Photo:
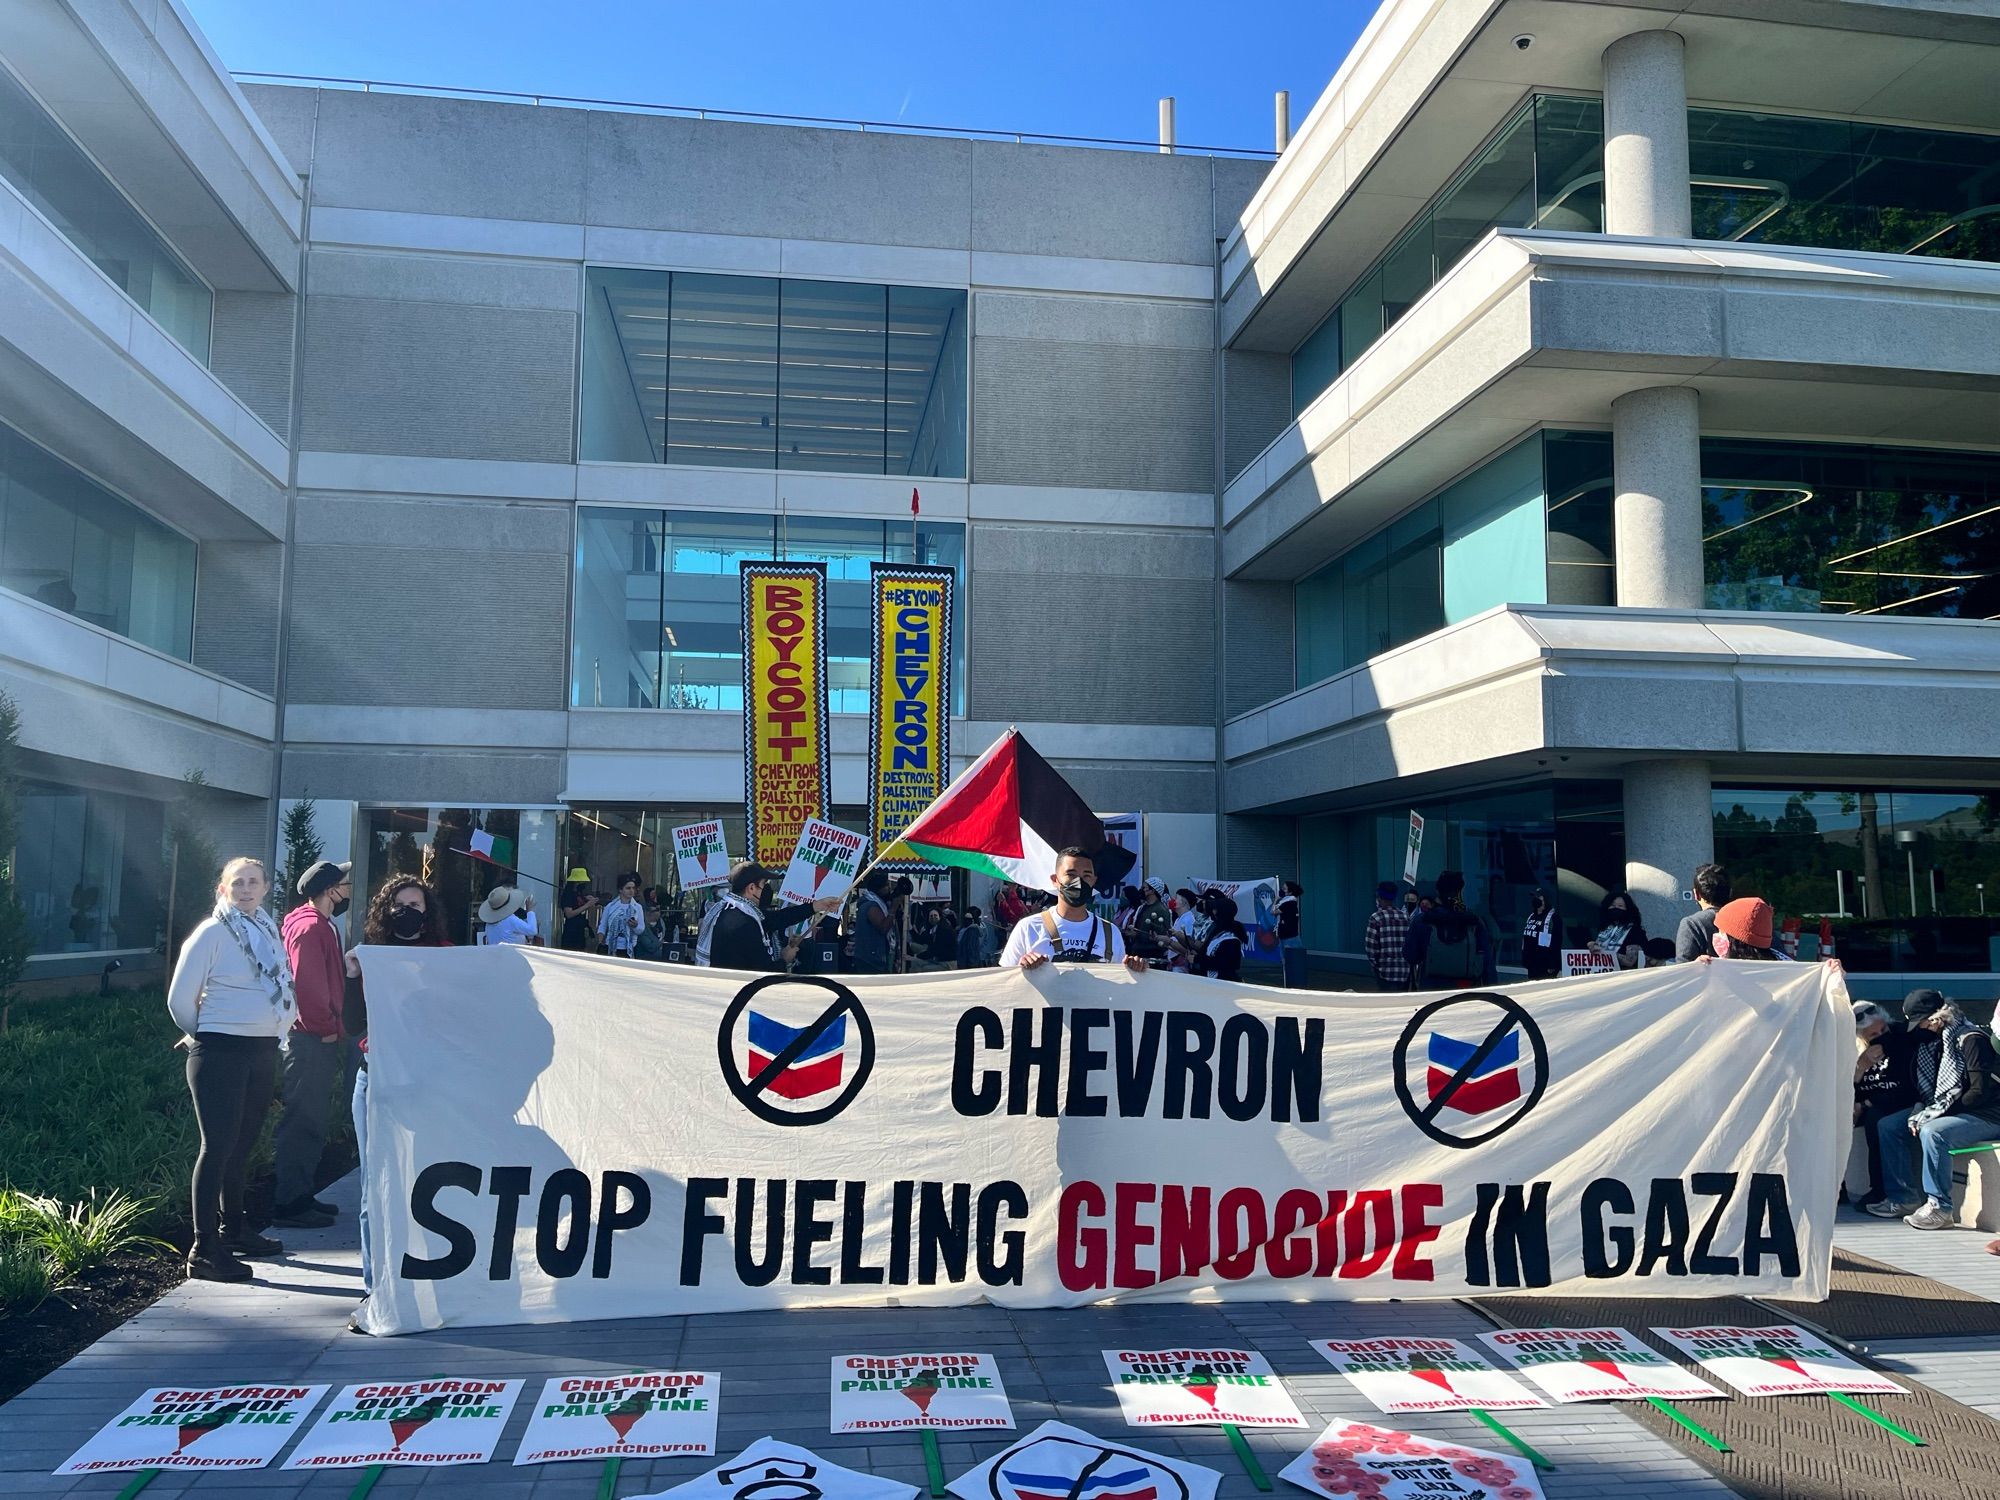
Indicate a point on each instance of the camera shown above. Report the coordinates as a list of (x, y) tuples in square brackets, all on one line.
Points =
[(1523, 42)]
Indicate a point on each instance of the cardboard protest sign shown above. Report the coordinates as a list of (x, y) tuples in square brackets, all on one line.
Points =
[(701, 855), (653, 1415), (1576, 961), (1056, 1461), (1400, 1375), (433, 1423), (216, 1427), (1596, 1364), (1374, 1463), (824, 864), (1781, 1360), (784, 1471), (1181, 1387), (891, 1392)]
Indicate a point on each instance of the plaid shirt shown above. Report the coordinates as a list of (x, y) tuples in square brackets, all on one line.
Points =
[(1387, 927)]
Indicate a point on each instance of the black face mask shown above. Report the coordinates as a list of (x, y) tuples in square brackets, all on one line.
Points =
[(1077, 890), (340, 907), (407, 923)]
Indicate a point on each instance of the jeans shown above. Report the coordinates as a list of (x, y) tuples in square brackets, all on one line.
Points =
[(361, 1150), (231, 1080), (1935, 1140), (1292, 954)]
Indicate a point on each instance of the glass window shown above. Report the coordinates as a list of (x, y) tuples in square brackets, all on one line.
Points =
[(88, 871), (659, 605), (1569, 164), (1316, 362), (52, 172), (429, 842), (753, 372), (1577, 480), (1495, 550), (70, 543)]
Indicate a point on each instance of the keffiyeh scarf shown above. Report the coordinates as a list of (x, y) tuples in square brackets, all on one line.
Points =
[(257, 936)]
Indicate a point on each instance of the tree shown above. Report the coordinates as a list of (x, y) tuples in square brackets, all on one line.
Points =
[(13, 918), (192, 858), (303, 850)]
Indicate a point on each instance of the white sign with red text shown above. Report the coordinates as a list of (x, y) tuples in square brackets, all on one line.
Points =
[(429, 1423), (701, 855), (891, 1392), (1596, 1364), (655, 1414), (824, 863), (1781, 1360), (1356, 1461), (1403, 1374), (1189, 1387), (215, 1427), (1581, 961)]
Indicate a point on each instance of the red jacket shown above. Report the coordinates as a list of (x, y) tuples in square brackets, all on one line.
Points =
[(319, 971)]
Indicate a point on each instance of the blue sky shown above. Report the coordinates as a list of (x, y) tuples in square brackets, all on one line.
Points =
[(1033, 65)]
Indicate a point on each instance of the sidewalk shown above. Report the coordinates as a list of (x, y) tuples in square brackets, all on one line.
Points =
[(291, 1325)]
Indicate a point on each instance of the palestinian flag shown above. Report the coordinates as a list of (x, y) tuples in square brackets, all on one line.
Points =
[(1008, 815), (489, 850)]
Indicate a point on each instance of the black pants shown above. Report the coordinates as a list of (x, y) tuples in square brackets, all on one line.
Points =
[(231, 1079)]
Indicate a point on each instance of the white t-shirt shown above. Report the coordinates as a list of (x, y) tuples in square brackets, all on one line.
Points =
[(509, 929), (1031, 935)]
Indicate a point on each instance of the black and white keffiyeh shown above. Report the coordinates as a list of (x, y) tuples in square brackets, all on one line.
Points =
[(258, 938), (1941, 1068)]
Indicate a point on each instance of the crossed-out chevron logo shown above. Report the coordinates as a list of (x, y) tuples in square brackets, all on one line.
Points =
[(1490, 1081), (1470, 1067), (1059, 1462), (816, 1060), (795, 1049)]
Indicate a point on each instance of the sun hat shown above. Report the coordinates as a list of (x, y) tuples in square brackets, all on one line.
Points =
[(578, 873), (499, 904), (1746, 920)]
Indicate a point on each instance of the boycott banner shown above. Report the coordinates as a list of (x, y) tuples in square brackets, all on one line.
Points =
[(1580, 961), (785, 754), (824, 863), (432, 1423), (1057, 1460), (909, 675), (657, 1414), (1353, 1459), (1781, 1360), (1596, 1364), (551, 1138), (785, 1471), (1179, 1387), (893, 1392), (219, 1427), (701, 855), (1416, 1374)]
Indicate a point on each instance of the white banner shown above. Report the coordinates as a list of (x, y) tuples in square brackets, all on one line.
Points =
[(824, 863), (1596, 1364), (1781, 1360), (785, 1471), (428, 1423), (1425, 1374), (213, 1427), (555, 1136), (891, 1392), (651, 1414), (701, 855), (1184, 1387), (1057, 1460)]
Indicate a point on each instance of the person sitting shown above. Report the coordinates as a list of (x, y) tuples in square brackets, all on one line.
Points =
[(1958, 1104), (1885, 1083), (1620, 933)]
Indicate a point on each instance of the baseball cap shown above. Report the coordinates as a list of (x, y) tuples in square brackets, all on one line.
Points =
[(323, 876)]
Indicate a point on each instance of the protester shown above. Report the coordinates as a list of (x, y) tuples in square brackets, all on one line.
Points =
[(1620, 933), (534, 922), (1382, 941), (405, 913), (737, 934), (619, 924), (1008, 907), (1696, 934), (1222, 956), (500, 913), (871, 954), (231, 993), (311, 1060), (1068, 932), (1542, 940), (1743, 929), (1885, 1083), (1958, 1104), (1448, 945), (577, 905), (1291, 944), (971, 941)]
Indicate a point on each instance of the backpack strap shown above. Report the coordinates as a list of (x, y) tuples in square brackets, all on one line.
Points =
[(1049, 926)]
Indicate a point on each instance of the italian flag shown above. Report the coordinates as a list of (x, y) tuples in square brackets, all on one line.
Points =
[(489, 850), (1008, 815)]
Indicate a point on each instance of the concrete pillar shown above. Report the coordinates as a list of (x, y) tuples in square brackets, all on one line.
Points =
[(1669, 830), (1656, 481), (1646, 137)]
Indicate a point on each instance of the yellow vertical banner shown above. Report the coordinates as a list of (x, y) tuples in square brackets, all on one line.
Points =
[(785, 765), (909, 745)]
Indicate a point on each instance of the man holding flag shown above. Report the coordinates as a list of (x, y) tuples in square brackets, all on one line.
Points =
[(1069, 932)]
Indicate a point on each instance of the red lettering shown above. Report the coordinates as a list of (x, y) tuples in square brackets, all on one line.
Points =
[(1375, 1201), (1131, 1234), (1417, 1230), (784, 624), (1184, 1221), (1326, 1235), (1236, 1254), (1080, 1251), (1291, 1250)]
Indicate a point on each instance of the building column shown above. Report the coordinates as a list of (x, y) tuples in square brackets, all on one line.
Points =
[(1669, 830), (1646, 137), (1656, 481)]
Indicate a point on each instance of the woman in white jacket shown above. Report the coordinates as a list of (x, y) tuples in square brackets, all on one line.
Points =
[(232, 994)]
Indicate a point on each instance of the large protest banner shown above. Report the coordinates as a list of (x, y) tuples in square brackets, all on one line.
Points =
[(553, 1136), (909, 742), (786, 764)]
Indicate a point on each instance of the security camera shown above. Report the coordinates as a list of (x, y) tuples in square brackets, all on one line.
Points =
[(1523, 42)]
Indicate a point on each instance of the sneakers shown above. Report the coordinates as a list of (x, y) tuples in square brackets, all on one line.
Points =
[(250, 1245), (215, 1265), (1890, 1208), (1931, 1216), (301, 1213), (321, 1206)]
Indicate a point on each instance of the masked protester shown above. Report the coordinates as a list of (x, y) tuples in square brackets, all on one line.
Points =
[(1069, 931), (737, 932), (1957, 1105), (405, 913), (312, 1051)]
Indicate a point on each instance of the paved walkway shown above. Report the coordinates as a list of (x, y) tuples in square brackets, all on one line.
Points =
[(291, 1326)]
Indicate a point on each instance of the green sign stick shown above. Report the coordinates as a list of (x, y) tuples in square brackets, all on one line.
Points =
[(933, 1463), (1247, 1458), (139, 1481), (1878, 1419), (1691, 1425), (1507, 1432)]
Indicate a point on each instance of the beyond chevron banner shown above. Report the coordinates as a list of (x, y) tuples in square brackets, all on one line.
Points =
[(553, 1136), (909, 745), (786, 771)]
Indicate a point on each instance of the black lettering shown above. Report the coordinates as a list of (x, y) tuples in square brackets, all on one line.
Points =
[(460, 1242), (1768, 1229), (975, 1093), (1519, 1232), (1607, 1248), (752, 1272), (1666, 1228), (611, 1218), (1243, 1067), (900, 1216), (943, 1234), (509, 1185), (1040, 1058), (557, 1258), (808, 1232), (854, 1237), (1134, 1064), (1190, 1079), (1084, 1060), (1010, 1263), (1295, 1069), (697, 1224), (1722, 1187)]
